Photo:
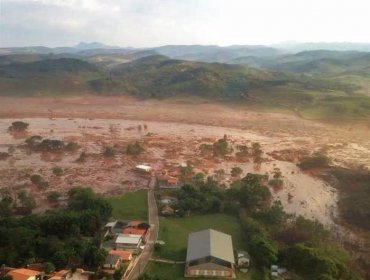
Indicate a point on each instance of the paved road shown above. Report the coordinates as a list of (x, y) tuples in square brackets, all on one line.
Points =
[(152, 235)]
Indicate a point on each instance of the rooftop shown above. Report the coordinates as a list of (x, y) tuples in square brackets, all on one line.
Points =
[(210, 242), (137, 231), (124, 255), (23, 273), (128, 238)]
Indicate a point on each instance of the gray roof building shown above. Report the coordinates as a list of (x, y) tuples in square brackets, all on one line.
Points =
[(210, 253), (210, 242)]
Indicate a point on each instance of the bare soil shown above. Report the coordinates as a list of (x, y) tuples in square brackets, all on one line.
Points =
[(176, 128)]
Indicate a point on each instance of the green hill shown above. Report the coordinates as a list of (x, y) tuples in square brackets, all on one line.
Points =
[(49, 76), (159, 76)]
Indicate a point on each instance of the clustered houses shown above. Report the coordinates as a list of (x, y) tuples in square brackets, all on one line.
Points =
[(33, 274), (126, 239)]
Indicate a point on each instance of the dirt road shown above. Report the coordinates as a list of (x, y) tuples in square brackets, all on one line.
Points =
[(152, 237)]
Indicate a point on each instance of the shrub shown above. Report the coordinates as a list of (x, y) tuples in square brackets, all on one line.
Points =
[(134, 149), (36, 179), (4, 155), (72, 146), (315, 161), (53, 196), (82, 157), (18, 126), (58, 171), (109, 152)]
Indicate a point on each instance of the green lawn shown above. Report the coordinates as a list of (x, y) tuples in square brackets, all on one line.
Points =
[(130, 206), (174, 232)]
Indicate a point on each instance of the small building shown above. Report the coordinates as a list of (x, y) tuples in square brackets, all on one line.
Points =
[(60, 275), (134, 224), (125, 256), (167, 210), (165, 199), (137, 231), (112, 262), (210, 254), (79, 274), (143, 168), (25, 274), (243, 259), (129, 242)]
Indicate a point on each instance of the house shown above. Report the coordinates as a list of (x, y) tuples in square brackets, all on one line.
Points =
[(125, 256), (138, 231), (79, 274), (210, 254), (129, 242), (167, 210), (114, 227), (134, 224), (112, 262), (60, 275), (25, 274), (243, 259), (164, 199), (143, 168)]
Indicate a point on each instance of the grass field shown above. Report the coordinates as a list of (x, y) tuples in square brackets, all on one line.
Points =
[(130, 206), (174, 232)]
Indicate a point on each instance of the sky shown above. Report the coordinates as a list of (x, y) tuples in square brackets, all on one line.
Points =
[(149, 23)]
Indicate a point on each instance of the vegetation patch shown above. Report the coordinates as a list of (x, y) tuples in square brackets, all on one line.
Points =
[(130, 206)]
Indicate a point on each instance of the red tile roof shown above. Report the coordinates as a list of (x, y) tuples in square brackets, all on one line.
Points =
[(134, 223), (23, 273), (134, 231), (124, 255)]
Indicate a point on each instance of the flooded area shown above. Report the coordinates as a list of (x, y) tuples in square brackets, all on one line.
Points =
[(167, 146), (171, 133)]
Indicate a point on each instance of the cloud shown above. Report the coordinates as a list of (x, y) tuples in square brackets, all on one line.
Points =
[(158, 22)]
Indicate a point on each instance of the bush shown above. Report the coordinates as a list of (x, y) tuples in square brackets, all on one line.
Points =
[(82, 157), (36, 179), (316, 160), (53, 196), (18, 126), (58, 171), (72, 146), (4, 155), (134, 149), (109, 152)]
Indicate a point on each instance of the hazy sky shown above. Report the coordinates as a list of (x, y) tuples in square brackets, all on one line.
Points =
[(143, 23)]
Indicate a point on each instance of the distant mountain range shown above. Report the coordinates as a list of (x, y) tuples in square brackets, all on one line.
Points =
[(312, 82)]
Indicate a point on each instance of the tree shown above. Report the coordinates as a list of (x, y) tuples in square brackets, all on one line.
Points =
[(236, 171), (109, 152), (57, 171), (49, 267), (36, 179), (220, 174), (6, 277), (6, 207), (220, 147), (18, 126), (242, 151), (26, 200), (53, 196), (134, 149), (316, 160)]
